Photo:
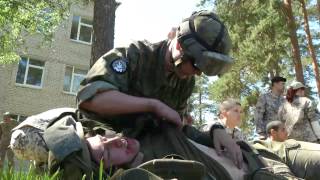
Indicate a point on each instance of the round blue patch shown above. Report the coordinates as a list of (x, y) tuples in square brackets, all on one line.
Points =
[(119, 65)]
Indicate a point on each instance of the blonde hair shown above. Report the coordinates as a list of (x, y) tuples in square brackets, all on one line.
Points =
[(228, 104)]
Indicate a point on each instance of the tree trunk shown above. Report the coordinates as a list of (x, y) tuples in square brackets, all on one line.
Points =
[(200, 101), (318, 8), (310, 45), (103, 28), (287, 7)]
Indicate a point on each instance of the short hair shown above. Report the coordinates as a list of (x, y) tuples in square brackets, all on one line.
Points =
[(228, 104), (273, 125), (277, 79)]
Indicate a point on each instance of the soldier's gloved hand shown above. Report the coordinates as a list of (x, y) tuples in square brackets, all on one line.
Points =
[(222, 139), (166, 113)]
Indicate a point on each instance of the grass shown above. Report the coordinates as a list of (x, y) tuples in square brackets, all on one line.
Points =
[(32, 174)]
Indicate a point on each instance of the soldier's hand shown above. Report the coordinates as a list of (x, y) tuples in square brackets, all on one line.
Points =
[(262, 136), (222, 139), (166, 113)]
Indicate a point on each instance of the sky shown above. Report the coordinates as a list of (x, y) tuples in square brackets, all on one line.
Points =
[(149, 19)]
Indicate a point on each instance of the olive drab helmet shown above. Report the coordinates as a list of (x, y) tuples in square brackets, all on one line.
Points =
[(204, 37)]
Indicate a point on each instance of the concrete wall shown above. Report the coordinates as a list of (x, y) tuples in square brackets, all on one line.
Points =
[(23, 100)]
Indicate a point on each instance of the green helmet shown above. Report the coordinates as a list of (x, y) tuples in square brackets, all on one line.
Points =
[(204, 37)]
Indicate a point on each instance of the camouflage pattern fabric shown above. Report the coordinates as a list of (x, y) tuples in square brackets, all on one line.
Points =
[(5, 129), (140, 72), (27, 140), (303, 158), (5, 134), (267, 110), (5, 151), (27, 143), (143, 76), (298, 116)]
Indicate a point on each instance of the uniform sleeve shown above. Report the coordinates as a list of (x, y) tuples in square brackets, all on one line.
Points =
[(185, 95), (258, 114), (311, 111), (110, 72), (281, 113), (207, 126), (238, 135), (198, 136)]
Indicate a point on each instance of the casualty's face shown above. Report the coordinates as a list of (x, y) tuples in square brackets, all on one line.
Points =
[(113, 151)]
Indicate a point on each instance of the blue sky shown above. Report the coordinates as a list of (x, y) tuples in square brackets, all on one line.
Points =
[(149, 19)]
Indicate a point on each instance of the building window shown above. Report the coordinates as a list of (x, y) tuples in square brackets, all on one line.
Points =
[(81, 30), (72, 79), (30, 72), (18, 118)]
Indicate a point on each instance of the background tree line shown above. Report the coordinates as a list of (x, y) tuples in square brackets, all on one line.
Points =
[(269, 38)]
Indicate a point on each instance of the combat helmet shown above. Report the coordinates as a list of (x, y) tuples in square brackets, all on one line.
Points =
[(205, 38)]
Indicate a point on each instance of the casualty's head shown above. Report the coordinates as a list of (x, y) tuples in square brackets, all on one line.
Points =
[(113, 150)]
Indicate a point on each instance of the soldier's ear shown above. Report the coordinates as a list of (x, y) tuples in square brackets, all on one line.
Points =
[(273, 132), (223, 114)]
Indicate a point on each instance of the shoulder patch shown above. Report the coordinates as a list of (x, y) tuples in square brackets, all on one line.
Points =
[(119, 65)]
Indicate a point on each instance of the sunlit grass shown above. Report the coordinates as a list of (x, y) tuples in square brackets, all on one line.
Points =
[(32, 174)]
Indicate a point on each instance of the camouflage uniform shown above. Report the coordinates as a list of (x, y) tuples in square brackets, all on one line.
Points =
[(5, 134), (298, 116), (139, 70), (303, 158), (145, 76), (267, 110), (235, 133)]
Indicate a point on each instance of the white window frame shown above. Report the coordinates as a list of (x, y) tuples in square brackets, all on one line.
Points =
[(72, 78), (19, 117), (27, 72), (78, 32)]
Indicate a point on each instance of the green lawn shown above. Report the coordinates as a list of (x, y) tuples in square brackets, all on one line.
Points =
[(26, 171)]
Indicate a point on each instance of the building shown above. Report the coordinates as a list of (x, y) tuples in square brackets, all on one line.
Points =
[(49, 77)]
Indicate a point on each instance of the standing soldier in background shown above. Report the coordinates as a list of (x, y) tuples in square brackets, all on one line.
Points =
[(5, 134), (268, 105)]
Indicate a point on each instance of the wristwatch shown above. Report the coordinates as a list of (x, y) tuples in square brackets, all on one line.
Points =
[(215, 126)]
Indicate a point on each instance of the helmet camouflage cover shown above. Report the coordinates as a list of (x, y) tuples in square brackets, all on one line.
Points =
[(204, 37)]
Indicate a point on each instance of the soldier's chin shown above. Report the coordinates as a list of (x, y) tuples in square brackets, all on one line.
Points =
[(133, 146)]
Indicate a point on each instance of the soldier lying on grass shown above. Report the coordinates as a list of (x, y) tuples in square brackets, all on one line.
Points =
[(56, 137)]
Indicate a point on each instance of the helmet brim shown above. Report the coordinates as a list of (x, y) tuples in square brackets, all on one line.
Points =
[(209, 62)]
